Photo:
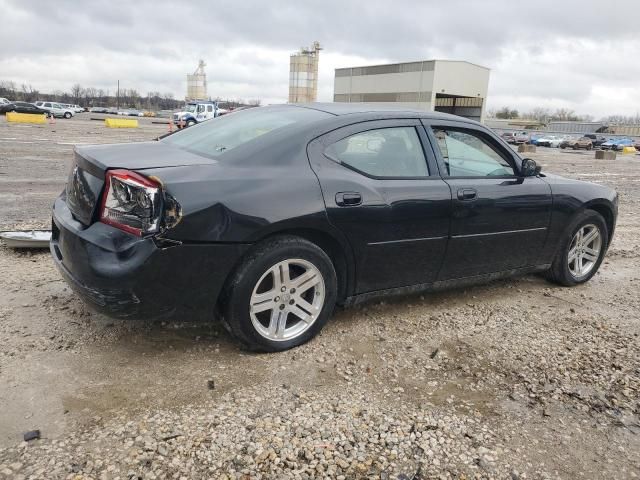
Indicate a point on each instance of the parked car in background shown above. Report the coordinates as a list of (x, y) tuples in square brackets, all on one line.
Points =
[(99, 110), (596, 140), (509, 137), (22, 107), (4, 101), (521, 138), (57, 110), (75, 108), (273, 215), (552, 141), (112, 111), (616, 144), (6, 107), (534, 137), (577, 143)]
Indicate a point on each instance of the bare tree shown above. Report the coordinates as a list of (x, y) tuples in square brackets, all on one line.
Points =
[(76, 91)]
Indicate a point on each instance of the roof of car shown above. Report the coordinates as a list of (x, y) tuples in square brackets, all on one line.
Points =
[(339, 108)]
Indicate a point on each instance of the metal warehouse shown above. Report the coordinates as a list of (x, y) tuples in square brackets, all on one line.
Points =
[(449, 86)]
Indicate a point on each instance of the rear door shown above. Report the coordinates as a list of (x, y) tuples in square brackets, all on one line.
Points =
[(499, 218), (382, 189)]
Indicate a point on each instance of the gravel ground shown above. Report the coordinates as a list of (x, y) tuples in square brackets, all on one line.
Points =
[(518, 379)]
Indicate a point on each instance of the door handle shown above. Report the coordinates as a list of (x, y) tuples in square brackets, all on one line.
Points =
[(348, 199), (466, 194)]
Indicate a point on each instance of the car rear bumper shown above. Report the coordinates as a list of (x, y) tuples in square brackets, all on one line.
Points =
[(125, 276)]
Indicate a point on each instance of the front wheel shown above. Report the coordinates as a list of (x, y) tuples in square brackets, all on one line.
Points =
[(281, 295), (582, 250), (190, 123), (67, 115)]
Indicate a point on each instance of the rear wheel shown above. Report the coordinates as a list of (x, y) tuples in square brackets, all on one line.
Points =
[(281, 295), (581, 251)]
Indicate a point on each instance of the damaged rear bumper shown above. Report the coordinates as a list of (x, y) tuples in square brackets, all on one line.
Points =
[(125, 276)]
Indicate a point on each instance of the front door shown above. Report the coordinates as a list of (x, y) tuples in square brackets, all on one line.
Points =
[(499, 218), (381, 187)]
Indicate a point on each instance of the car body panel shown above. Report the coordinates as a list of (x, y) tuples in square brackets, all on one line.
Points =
[(401, 224), (408, 233)]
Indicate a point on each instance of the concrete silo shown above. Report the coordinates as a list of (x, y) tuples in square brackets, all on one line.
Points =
[(197, 84), (303, 75)]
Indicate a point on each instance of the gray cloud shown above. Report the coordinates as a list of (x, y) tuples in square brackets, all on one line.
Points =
[(557, 53)]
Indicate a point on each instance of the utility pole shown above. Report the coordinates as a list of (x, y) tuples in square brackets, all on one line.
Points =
[(118, 96)]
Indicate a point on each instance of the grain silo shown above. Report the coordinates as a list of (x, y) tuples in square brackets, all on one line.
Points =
[(197, 84), (303, 75)]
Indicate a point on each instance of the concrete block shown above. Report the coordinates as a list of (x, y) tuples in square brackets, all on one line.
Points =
[(26, 117), (526, 148), (627, 150), (605, 155), (120, 123)]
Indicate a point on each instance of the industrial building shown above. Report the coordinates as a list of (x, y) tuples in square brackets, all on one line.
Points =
[(449, 86), (303, 74), (197, 84)]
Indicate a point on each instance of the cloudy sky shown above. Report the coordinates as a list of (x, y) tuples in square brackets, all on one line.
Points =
[(556, 54)]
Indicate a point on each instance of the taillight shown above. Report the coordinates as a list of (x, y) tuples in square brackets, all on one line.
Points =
[(131, 202)]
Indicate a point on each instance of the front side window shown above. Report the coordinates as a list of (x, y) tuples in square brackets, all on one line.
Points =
[(209, 108), (385, 152), (467, 154)]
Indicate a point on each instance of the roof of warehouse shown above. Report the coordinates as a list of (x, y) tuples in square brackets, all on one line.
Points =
[(433, 60), (340, 108)]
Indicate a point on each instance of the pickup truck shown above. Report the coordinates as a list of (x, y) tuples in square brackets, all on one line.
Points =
[(197, 112)]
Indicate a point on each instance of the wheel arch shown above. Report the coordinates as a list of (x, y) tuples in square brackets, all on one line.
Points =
[(337, 249), (604, 208)]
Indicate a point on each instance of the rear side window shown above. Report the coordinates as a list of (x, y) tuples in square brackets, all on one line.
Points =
[(222, 134), (384, 153)]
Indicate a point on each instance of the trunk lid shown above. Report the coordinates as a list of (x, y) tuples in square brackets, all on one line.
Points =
[(86, 179)]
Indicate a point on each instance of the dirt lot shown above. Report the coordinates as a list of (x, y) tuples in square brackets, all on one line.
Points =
[(516, 379)]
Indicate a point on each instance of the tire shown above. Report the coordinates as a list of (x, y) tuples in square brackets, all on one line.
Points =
[(261, 330), (589, 147), (561, 271), (190, 123), (67, 115)]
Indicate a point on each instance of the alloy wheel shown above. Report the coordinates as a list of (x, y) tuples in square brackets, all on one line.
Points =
[(287, 299), (584, 250)]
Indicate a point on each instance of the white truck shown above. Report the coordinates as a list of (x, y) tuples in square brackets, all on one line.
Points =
[(197, 112)]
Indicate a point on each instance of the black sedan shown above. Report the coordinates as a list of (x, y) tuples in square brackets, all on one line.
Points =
[(271, 216), (22, 107)]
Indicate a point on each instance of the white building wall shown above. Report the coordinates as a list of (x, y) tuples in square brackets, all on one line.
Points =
[(438, 77)]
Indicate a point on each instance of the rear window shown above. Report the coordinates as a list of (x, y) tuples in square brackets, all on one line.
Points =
[(221, 135)]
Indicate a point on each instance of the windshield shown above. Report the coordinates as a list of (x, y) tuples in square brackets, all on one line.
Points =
[(222, 134), (190, 108)]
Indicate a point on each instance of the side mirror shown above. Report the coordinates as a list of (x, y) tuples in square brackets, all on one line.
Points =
[(529, 168)]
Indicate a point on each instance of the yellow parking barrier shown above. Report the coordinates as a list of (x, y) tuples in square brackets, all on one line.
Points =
[(120, 123), (629, 150), (26, 117)]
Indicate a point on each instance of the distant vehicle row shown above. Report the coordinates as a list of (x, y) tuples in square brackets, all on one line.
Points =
[(60, 110), (587, 142)]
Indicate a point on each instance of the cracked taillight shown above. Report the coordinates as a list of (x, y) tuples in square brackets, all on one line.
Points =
[(131, 202)]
